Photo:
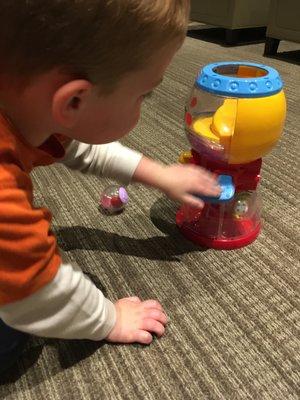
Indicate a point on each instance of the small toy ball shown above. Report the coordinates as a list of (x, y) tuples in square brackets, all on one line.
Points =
[(241, 207), (113, 199)]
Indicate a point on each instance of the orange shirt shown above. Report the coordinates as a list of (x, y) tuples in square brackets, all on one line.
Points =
[(29, 257)]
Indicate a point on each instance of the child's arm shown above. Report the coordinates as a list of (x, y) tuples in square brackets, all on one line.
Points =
[(41, 294), (178, 181), (71, 307), (112, 160), (123, 164), (68, 307)]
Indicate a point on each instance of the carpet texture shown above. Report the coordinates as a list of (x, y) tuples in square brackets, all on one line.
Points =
[(234, 316)]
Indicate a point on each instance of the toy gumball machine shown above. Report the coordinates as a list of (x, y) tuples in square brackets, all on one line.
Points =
[(235, 115)]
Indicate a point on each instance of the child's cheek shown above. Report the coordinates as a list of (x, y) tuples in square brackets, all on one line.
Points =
[(135, 117)]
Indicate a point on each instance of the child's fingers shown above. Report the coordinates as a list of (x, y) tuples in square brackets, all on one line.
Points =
[(193, 201), (206, 190), (206, 178), (134, 299), (152, 304), (203, 173), (151, 325), (157, 315), (143, 337)]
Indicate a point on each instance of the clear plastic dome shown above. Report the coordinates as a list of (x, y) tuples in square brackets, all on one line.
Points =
[(225, 126)]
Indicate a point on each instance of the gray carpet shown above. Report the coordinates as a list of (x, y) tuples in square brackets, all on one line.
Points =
[(233, 315)]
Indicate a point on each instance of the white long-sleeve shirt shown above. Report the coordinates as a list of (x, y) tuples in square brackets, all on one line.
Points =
[(71, 306)]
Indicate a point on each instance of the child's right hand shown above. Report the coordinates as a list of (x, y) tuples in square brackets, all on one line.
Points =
[(136, 320)]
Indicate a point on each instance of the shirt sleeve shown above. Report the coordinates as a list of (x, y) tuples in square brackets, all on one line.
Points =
[(29, 257), (69, 307), (39, 294), (111, 160)]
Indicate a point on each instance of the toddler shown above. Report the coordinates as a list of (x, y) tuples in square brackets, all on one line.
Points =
[(67, 69)]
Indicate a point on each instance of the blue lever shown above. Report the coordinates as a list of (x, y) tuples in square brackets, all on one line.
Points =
[(227, 190)]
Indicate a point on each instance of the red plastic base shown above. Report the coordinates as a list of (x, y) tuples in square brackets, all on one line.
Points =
[(247, 237), (221, 244)]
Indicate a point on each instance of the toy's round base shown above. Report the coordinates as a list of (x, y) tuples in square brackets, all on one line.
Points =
[(218, 243)]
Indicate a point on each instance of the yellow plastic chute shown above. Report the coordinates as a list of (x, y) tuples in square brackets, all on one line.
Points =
[(247, 128)]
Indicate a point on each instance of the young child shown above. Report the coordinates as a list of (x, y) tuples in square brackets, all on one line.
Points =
[(73, 76)]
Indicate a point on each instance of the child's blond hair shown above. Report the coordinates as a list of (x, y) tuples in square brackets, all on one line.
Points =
[(98, 40)]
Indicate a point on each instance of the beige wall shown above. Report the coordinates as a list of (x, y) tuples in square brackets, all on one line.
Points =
[(231, 14)]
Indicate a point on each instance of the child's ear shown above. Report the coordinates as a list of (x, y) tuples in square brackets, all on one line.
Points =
[(69, 101)]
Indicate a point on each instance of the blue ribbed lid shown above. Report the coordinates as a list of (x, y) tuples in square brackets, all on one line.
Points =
[(219, 78)]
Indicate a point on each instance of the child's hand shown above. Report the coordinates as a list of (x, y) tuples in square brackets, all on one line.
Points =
[(136, 320), (180, 181)]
